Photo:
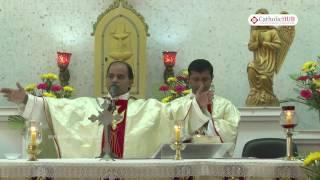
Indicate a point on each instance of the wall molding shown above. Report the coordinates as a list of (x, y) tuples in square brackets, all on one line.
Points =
[(259, 114), (6, 111), (307, 137)]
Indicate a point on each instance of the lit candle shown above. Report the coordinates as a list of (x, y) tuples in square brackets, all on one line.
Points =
[(33, 135), (289, 117), (178, 132)]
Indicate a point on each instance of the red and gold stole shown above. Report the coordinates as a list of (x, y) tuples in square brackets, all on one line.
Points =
[(117, 129)]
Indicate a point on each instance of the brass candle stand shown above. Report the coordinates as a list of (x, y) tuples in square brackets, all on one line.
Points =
[(288, 122), (33, 150), (178, 147), (289, 133)]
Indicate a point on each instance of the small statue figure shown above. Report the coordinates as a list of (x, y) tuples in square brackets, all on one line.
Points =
[(269, 46)]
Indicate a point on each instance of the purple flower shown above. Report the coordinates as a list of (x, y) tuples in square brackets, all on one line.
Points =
[(303, 78), (42, 86), (164, 88), (179, 88), (56, 88), (306, 93)]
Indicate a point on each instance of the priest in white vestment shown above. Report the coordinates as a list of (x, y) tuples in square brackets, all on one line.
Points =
[(223, 116)]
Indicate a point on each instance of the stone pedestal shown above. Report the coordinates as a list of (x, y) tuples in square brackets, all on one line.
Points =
[(258, 122)]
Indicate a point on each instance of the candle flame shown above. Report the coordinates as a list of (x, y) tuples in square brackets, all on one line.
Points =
[(32, 128)]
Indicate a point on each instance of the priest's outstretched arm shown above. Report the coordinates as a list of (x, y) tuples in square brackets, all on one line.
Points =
[(64, 119)]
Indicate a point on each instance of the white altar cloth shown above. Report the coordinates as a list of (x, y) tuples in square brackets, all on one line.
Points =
[(95, 168)]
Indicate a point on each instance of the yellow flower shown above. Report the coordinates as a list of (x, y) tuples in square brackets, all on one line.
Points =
[(52, 76), (68, 88), (46, 94), (172, 79), (49, 76), (30, 87), (185, 72), (311, 158), (309, 66), (166, 99), (316, 82), (44, 76), (187, 91)]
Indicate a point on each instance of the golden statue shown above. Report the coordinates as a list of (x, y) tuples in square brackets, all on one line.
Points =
[(269, 46)]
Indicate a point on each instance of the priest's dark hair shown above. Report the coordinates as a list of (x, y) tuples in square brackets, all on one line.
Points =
[(130, 72), (200, 65)]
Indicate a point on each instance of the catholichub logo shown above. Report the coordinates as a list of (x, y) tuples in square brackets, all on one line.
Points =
[(273, 20)]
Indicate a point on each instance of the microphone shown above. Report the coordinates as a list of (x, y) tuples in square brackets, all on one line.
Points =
[(114, 90), (210, 105)]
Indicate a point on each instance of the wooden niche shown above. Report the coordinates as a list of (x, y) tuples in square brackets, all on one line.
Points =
[(120, 35)]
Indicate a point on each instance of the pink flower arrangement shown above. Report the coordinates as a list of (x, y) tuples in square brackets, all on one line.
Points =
[(49, 88), (308, 82), (176, 87)]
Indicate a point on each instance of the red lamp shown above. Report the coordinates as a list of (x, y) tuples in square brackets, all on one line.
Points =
[(63, 60), (169, 60)]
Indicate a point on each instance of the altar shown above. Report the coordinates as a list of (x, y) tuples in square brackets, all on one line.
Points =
[(150, 168)]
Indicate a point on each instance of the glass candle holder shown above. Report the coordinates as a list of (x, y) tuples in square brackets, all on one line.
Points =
[(288, 117), (34, 138), (34, 132)]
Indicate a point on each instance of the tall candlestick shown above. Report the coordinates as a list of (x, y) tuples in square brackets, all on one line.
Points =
[(289, 121)]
